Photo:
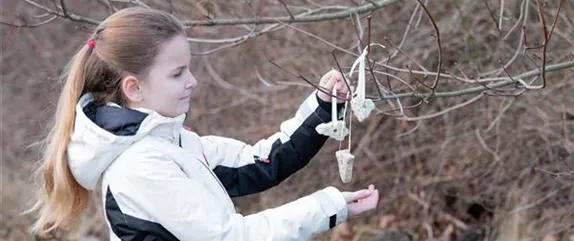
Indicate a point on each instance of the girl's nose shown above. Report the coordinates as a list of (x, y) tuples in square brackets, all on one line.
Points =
[(192, 82), (190, 85)]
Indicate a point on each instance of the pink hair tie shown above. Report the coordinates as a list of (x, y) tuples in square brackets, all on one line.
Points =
[(91, 43)]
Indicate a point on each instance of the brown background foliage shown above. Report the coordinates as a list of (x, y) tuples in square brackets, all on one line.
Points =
[(474, 167)]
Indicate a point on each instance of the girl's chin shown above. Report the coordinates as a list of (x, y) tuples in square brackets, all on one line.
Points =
[(184, 109)]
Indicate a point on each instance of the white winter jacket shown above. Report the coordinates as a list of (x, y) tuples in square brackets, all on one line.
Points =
[(161, 181)]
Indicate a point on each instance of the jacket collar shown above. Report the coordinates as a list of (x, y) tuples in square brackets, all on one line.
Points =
[(102, 133)]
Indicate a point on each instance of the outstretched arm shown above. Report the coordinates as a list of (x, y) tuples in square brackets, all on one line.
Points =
[(246, 169)]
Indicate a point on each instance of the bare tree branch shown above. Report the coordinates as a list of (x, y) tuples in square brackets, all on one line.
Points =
[(442, 112), (253, 33), (317, 87), (439, 68), (545, 43), (109, 5), (520, 45), (26, 25), (287, 9), (501, 16), (218, 22), (287, 19), (138, 2), (67, 15), (64, 9), (492, 16), (501, 81)]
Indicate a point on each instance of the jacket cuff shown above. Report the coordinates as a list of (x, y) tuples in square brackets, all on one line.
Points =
[(327, 105), (333, 205)]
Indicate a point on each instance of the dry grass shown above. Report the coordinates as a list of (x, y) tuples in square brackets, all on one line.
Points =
[(481, 166)]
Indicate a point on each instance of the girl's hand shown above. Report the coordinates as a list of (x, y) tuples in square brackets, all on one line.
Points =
[(333, 79), (361, 201)]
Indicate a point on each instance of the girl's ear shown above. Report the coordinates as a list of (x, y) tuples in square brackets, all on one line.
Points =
[(131, 88)]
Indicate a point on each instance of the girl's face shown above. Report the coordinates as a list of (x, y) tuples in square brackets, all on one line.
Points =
[(169, 83)]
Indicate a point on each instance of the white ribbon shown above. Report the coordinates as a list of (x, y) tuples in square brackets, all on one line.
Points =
[(335, 128), (361, 106), (344, 157)]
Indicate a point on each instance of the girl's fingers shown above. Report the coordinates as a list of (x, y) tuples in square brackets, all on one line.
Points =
[(356, 196), (324, 79)]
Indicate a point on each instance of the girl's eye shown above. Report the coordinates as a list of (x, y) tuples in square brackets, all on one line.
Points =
[(177, 75)]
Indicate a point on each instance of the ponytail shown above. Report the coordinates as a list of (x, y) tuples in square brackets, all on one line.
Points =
[(125, 42), (61, 199)]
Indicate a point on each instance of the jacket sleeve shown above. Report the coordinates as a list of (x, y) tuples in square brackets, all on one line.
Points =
[(193, 213), (246, 169)]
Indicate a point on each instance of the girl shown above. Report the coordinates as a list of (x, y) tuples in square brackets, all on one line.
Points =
[(120, 119)]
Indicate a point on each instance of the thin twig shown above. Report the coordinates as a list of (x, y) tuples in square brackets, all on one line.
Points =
[(417, 79), (255, 16), (347, 82), (420, 16), (560, 4), (387, 67), (368, 46), (517, 21), (257, 21), (42, 15), (138, 2), (539, 201), (501, 15), (457, 222), (359, 32), (71, 16), (171, 6), (287, 8), (485, 146), (401, 109), (555, 174), (252, 32), (439, 68), (313, 18), (405, 54), (310, 83), (377, 87), (268, 83), (409, 131), (226, 85), (499, 116), (502, 81), (430, 233), (239, 40), (64, 10), (405, 34), (442, 112), (30, 25), (320, 39), (519, 46), (395, 77), (491, 13), (545, 44), (369, 34), (109, 5)]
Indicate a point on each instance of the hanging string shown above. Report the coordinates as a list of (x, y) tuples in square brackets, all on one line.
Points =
[(350, 125), (345, 111)]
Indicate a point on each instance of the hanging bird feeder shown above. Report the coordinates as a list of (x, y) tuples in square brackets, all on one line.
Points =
[(335, 128)]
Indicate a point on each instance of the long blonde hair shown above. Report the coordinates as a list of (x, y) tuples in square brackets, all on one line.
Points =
[(125, 43)]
